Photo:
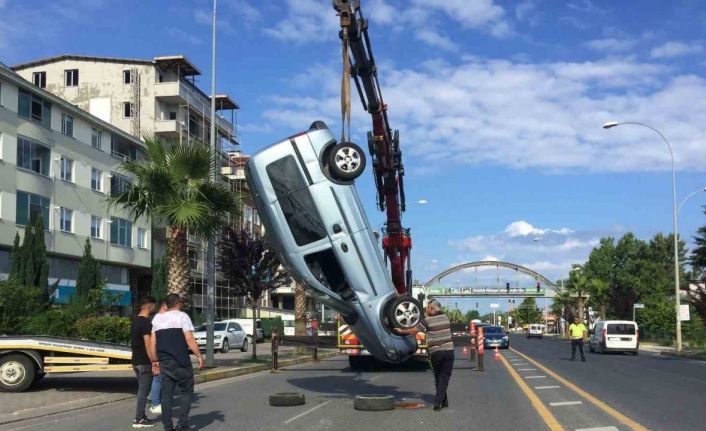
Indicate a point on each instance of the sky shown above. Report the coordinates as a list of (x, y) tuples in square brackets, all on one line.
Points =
[(499, 105)]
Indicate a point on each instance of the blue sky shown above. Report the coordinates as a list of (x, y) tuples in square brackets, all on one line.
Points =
[(499, 105)]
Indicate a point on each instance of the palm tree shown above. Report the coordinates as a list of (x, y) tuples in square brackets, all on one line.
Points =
[(174, 187), (562, 304)]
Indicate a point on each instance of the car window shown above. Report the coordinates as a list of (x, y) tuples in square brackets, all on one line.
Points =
[(237, 327), (621, 328), (493, 330), (219, 326), (325, 267), (231, 326), (295, 201)]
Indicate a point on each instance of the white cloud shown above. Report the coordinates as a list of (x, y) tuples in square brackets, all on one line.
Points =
[(306, 21), (180, 34), (435, 39), (611, 44), (675, 49)]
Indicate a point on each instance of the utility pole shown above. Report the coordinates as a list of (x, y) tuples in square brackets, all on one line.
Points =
[(211, 251)]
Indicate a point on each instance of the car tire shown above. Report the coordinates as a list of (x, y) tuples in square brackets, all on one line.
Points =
[(244, 347), (287, 399), (346, 161), (590, 347), (374, 403), (17, 373), (225, 347), (404, 312)]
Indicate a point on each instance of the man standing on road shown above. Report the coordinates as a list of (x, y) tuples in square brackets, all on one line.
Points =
[(441, 348), (172, 338), (142, 358), (578, 333)]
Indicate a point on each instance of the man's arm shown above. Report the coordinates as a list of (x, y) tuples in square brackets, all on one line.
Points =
[(150, 347), (193, 346), (153, 350)]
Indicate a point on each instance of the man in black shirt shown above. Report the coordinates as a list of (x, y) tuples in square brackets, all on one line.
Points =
[(142, 358)]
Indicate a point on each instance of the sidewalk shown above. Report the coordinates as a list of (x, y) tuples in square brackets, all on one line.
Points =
[(74, 391)]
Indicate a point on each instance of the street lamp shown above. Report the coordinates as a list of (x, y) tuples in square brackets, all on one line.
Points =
[(687, 198), (612, 124)]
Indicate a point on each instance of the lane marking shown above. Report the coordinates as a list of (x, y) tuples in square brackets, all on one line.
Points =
[(566, 403), (538, 405), (546, 387), (535, 377), (599, 429), (593, 400), (374, 378), (306, 412), (526, 369)]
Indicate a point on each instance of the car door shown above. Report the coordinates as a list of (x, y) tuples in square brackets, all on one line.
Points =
[(230, 334), (238, 335)]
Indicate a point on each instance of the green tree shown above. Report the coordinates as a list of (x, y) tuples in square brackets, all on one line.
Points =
[(454, 314), (599, 270), (578, 286), (16, 259), (252, 268), (526, 313), (471, 315), (174, 187), (89, 280), (17, 304), (158, 288)]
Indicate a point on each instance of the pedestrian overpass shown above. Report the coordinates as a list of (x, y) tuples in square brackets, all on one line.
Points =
[(543, 288)]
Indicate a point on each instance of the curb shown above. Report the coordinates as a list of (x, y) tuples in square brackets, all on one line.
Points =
[(696, 357), (199, 377)]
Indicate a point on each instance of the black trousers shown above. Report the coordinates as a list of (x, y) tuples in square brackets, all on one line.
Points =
[(442, 363), (144, 385), (574, 343), (175, 376)]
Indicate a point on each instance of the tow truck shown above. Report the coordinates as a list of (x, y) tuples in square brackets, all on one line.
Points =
[(25, 360), (386, 157)]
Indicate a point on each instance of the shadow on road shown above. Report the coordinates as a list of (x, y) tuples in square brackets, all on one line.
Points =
[(77, 383), (351, 385)]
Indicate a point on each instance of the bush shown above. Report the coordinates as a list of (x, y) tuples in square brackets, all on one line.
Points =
[(108, 329), (17, 304), (58, 322)]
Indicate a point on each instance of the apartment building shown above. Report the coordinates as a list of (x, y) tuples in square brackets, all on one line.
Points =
[(156, 96), (59, 161)]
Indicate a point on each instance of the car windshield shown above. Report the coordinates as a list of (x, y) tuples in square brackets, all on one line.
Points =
[(216, 327), (493, 330), (621, 328)]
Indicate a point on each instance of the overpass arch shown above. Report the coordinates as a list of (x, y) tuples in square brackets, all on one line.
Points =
[(491, 263)]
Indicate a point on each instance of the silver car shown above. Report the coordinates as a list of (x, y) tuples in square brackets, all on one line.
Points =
[(225, 335), (304, 193)]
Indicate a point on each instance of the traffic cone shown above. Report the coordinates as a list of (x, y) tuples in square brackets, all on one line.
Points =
[(496, 355)]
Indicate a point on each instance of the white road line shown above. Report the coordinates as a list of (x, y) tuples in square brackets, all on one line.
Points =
[(306, 412), (374, 378), (599, 429), (566, 403), (535, 377), (526, 369), (547, 387)]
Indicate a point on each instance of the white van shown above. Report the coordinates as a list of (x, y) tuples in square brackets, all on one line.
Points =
[(614, 336), (535, 331), (246, 324)]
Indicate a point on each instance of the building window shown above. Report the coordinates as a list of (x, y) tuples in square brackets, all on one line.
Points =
[(29, 207), (67, 124), (40, 79), (127, 109), (96, 227), (172, 115), (118, 184), (96, 180), (65, 219), (67, 169), (141, 238), (71, 77), (127, 77), (120, 232), (96, 138), (34, 108), (33, 156)]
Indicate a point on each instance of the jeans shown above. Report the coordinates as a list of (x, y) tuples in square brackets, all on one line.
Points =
[(175, 376), (574, 343), (155, 393), (442, 363), (144, 383)]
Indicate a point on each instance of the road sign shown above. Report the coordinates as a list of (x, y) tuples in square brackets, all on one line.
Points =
[(684, 312), (494, 305), (639, 305)]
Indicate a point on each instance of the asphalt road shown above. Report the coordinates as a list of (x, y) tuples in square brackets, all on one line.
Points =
[(514, 393)]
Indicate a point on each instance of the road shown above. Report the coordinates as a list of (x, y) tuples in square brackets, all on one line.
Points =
[(515, 393)]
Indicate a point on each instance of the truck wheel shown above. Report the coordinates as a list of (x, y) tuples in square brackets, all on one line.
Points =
[(404, 312), (287, 399), (346, 161), (16, 373), (373, 403)]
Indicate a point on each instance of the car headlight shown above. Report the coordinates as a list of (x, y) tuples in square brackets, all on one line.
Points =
[(505, 338), (217, 337)]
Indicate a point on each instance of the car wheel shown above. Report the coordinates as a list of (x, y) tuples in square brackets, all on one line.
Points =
[(404, 312), (373, 403), (16, 373), (244, 347), (226, 346), (287, 399), (346, 161), (590, 348)]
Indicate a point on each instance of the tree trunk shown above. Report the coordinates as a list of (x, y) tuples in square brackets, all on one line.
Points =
[(299, 310), (254, 327), (603, 311), (178, 276)]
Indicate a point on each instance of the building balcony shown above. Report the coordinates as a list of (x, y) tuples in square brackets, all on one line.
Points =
[(167, 126), (233, 172)]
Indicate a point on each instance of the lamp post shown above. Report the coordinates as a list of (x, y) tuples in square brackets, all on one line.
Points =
[(687, 198), (612, 124)]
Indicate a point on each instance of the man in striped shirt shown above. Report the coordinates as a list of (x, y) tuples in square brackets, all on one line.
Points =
[(441, 348)]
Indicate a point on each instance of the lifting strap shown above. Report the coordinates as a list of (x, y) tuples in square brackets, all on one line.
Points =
[(345, 89)]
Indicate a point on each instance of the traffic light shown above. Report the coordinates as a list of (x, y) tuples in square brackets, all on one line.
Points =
[(539, 287), (507, 287)]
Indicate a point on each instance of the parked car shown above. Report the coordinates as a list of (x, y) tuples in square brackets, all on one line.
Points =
[(303, 188), (614, 336), (225, 335), (495, 336), (246, 324), (535, 331)]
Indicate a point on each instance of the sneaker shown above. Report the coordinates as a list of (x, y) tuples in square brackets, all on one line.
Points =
[(445, 404), (142, 423), (156, 410), (437, 407)]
